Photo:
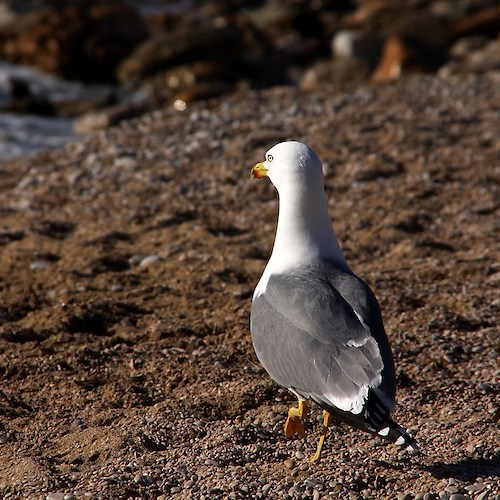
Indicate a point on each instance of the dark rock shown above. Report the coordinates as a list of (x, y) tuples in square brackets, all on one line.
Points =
[(25, 101), (421, 27), (295, 30), (191, 82), (485, 22), (232, 45), (82, 42)]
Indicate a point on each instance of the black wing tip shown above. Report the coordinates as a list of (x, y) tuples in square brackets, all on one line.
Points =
[(411, 446), (394, 433), (405, 440)]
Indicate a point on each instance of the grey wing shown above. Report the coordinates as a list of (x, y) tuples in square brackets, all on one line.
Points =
[(362, 300), (310, 339)]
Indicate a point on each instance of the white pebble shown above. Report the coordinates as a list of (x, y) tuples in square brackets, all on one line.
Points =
[(150, 260), (38, 265), (58, 495)]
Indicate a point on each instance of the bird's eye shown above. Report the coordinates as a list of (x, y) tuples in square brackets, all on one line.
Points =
[(270, 158)]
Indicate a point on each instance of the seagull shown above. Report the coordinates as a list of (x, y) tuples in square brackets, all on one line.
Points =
[(317, 327)]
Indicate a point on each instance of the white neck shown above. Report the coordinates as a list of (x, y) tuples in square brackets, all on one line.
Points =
[(304, 236)]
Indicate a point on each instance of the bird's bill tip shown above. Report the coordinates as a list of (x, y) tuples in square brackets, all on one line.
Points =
[(258, 171)]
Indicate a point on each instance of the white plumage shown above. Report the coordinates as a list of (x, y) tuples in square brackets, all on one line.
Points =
[(316, 327)]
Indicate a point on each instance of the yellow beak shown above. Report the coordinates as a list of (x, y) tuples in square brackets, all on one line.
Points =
[(258, 171)]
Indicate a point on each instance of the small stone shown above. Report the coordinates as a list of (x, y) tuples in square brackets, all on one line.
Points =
[(69, 496), (304, 466), (189, 484), (143, 479), (58, 495), (135, 260), (471, 447), (483, 496), (38, 266), (289, 464), (299, 455), (78, 422), (475, 487), (150, 260), (126, 162), (459, 496), (266, 488), (175, 489), (310, 483)]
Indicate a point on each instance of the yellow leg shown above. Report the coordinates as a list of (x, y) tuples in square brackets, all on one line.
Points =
[(293, 424), (327, 420)]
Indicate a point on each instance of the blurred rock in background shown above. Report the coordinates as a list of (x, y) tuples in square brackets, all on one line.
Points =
[(83, 42), (151, 54)]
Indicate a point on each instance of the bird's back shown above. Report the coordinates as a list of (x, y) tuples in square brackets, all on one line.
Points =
[(318, 331)]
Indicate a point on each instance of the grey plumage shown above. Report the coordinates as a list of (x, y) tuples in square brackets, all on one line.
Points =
[(318, 330)]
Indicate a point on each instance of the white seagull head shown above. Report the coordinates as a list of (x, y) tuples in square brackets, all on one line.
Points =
[(291, 165)]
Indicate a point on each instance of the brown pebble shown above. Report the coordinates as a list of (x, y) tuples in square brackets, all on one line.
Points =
[(289, 464)]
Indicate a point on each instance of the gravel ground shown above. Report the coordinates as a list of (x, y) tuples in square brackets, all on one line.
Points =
[(127, 266)]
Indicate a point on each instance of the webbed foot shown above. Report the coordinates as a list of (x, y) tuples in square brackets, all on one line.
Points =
[(293, 424)]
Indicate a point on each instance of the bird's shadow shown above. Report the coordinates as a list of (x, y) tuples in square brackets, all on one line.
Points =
[(467, 469)]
